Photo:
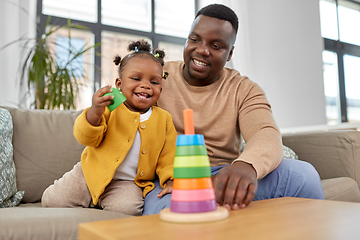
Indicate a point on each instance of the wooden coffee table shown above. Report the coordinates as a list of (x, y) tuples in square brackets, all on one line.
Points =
[(281, 218)]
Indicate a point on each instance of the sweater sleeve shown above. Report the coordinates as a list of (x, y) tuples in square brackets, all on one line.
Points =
[(263, 147), (87, 134)]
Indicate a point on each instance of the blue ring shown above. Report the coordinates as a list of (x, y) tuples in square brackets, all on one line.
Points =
[(190, 139)]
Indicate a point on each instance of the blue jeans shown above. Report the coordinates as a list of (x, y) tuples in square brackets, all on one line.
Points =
[(292, 178)]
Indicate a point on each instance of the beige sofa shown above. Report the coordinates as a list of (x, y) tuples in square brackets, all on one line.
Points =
[(44, 149)]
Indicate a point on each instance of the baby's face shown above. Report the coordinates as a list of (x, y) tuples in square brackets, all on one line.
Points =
[(141, 81)]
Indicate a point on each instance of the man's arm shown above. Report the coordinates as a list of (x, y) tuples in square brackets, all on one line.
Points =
[(236, 184)]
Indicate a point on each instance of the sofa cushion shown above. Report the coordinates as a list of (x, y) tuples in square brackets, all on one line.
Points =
[(9, 196), (44, 148), (341, 189)]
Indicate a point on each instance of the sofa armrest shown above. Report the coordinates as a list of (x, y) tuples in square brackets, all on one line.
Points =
[(332, 153)]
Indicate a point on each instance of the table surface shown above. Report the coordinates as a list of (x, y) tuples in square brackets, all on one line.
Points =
[(281, 218)]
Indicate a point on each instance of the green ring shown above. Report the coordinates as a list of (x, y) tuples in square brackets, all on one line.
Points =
[(191, 161), (191, 150), (192, 172), (119, 98)]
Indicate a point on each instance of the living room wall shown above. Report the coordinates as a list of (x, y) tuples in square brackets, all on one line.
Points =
[(286, 59), (279, 46), (17, 20)]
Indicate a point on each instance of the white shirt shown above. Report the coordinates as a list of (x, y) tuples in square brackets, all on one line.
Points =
[(128, 168)]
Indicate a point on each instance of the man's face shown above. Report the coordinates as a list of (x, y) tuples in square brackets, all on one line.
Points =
[(207, 49)]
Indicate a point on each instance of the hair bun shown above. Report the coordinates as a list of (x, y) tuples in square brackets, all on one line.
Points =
[(117, 60), (141, 45)]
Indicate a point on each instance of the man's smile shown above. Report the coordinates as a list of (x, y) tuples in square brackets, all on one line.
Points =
[(200, 63)]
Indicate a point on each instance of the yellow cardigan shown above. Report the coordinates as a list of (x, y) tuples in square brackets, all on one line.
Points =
[(108, 144)]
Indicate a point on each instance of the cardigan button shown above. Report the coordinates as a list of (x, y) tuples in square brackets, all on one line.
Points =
[(143, 151), (142, 173), (143, 126)]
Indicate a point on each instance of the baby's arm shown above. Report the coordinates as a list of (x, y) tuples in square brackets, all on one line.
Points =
[(167, 189), (99, 102)]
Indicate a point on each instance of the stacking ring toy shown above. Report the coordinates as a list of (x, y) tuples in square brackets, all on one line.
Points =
[(193, 196)]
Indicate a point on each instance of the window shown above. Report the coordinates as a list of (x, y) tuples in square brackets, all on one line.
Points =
[(340, 23), (170, 20), (352, 87), (165, 24), (331, 86), (82, 64), (73, 9), (127, 14)]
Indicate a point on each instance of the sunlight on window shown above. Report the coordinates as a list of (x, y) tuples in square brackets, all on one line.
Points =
[(352, 86), (62, 46), (174, 18), (328, 20), (84, 64), (172, 51), (331, 86), (85, 10), (349, 22), (127, 14)]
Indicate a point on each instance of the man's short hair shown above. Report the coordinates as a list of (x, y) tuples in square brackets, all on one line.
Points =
[(221, 12)]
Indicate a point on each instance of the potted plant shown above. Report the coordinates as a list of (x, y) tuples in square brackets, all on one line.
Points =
[(56, 84)]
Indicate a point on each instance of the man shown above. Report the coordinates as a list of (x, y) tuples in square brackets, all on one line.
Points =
[(228, 107)]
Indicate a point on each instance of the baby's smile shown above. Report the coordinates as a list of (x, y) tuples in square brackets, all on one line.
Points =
[(143, 95)]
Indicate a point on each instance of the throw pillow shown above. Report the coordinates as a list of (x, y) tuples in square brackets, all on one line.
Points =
[(9, 196)]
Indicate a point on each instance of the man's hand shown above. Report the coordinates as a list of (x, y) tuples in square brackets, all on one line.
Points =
[(167, 189), (235, 185)]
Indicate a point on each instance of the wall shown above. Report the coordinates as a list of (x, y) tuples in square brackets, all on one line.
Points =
[(14, 24), (285, 53)]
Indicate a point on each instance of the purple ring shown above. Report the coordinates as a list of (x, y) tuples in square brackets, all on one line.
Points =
[(193, 207)]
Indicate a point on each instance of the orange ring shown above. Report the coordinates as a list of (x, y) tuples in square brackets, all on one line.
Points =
[(192, 183)]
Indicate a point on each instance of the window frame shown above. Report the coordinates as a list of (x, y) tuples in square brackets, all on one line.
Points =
[(341, 49), (97, 27)]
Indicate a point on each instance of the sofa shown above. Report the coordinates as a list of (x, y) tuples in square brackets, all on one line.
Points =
[(335, 154), (44, 148)]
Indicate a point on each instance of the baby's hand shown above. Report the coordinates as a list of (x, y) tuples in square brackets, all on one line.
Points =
[(167, 189), (99, 102)]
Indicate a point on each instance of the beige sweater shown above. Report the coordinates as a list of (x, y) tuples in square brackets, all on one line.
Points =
[(232, 107)]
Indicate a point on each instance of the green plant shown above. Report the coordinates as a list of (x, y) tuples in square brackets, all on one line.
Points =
[(56, 84)]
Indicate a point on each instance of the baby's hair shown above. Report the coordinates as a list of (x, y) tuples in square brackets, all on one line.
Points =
[(140, 48)]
